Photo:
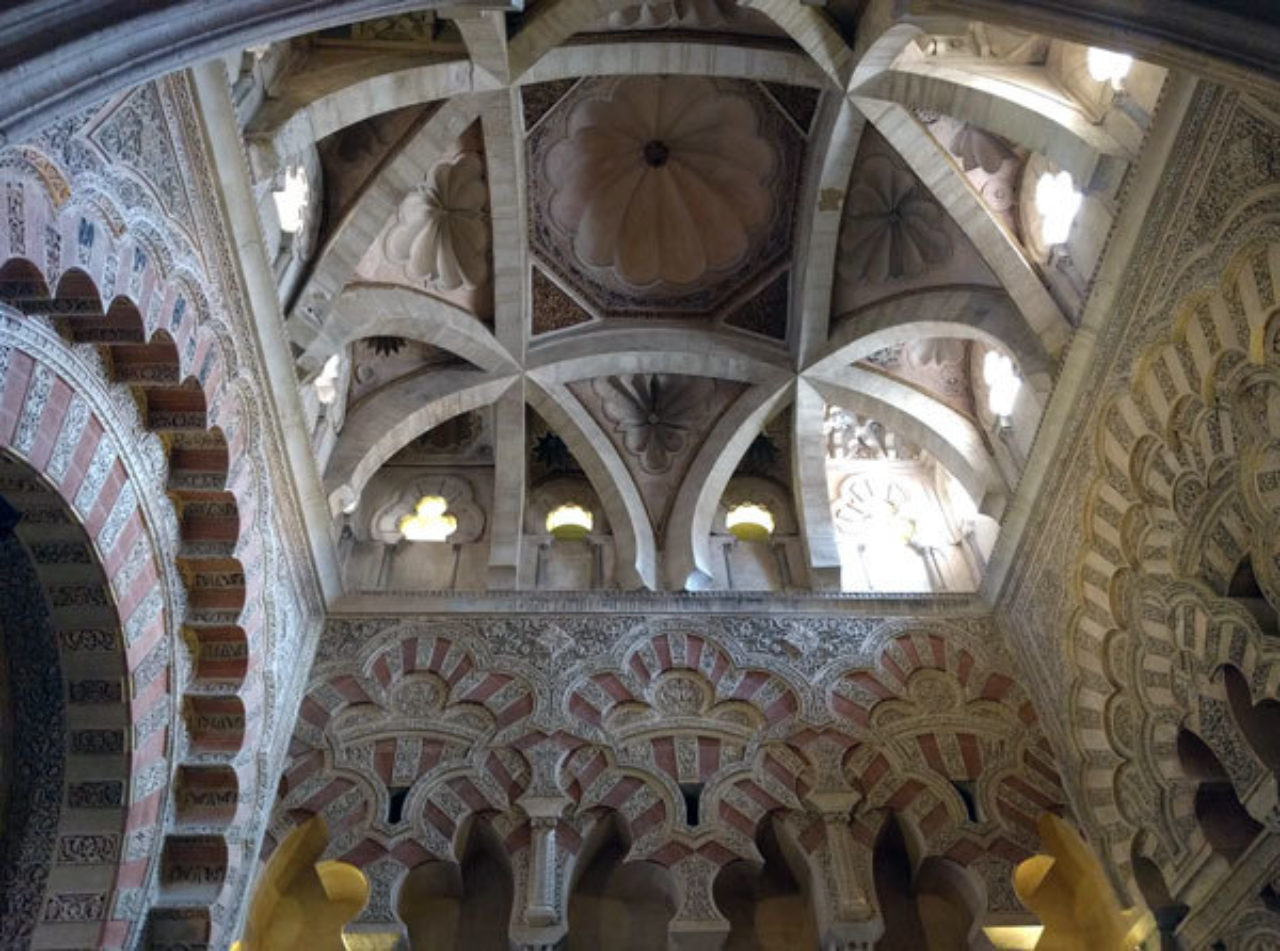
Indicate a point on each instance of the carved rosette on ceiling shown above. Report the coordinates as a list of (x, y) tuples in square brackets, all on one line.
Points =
[(441, 233), (896, 236), (655, 414), (662, 193), (992, 164), (656, 422), (662, 181), (938, 366), (893, 227)]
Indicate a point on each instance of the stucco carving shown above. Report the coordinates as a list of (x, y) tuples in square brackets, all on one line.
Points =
[(893, 226), (662, 181), (441, 232), (655, 414), (1160, 501)]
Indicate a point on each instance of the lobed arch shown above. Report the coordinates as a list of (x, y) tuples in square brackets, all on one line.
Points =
[(1172, 513), (158, 368), (67, 786)]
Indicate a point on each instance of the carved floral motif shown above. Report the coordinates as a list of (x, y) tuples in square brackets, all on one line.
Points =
[(893, 226), (663, 181), (441, 234), (655, 413)]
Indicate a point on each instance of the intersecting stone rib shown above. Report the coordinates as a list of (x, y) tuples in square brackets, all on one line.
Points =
[(392, 310), (688, 542), (974, 313), (506, 525), (809, 485), (628, 518), (395, 416), (937, 428), (952, 190), (356, 232)]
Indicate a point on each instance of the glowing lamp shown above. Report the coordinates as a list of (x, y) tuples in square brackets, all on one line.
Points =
[(1002, 382), (291, 200), (749, 522), (327, 381), (569, 522), (1058, 202), (1108, 67), (430, 521)]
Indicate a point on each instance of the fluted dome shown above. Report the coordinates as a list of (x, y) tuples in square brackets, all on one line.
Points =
[(441, 233), (663, 180)]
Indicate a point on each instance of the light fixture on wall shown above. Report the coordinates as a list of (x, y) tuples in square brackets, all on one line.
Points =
[(327, 382), (429, 522), (569, 522), (1057, 201), (291, 200), (1002, 382), (1108, 67), (750, 522)]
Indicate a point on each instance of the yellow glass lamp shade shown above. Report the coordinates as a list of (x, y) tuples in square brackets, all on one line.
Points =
[(430, 521), (749, 522), (569, 522)]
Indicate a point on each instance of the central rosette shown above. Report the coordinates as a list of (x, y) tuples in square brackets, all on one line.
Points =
[(663, 181)]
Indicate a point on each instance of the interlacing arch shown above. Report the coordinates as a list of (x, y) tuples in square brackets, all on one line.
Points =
[(947, 739), (690, 751), (99, 297), (1178, 580)]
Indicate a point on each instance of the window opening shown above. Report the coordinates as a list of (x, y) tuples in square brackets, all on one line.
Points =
[(692, 793)]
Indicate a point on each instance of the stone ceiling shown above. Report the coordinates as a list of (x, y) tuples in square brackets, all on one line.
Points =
[(667, 203), (661, 196), (654, 260)]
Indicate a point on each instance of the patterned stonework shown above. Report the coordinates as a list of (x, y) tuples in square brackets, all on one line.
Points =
[(143, 149), (186, 729), (1128, 611), (616, 711)]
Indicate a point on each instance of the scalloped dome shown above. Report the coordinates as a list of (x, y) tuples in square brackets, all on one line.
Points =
[(662, 181)]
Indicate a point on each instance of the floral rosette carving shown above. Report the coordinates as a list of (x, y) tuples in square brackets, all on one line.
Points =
[(663, 181), (893, 226), (655, 414), (978, 148), (441, 233)]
